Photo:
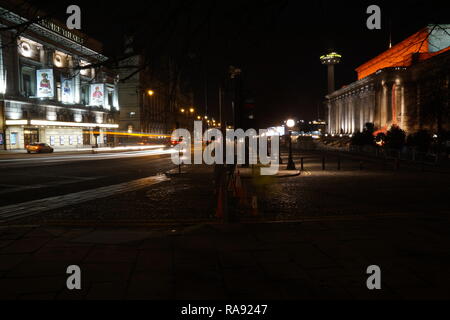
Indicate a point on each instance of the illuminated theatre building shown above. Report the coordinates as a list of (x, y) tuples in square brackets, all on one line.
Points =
[(45, 96), (407, 86)]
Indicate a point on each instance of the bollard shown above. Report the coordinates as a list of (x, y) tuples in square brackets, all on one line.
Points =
[(339, 163), (302, 164), (423, 166), (360, 165), (397, 164), (323, 163)]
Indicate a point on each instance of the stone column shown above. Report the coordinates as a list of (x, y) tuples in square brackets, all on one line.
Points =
[(389, 118), (330, 124)]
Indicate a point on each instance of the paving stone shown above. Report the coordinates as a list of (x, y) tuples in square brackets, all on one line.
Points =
[(72, 254), (106, 291), (37, 268), (272, 257), (109, 254), (237, 259), (103, 272), (150, 260), (16, 286), (9, 261), (310, 256), (38, 296), (201, 260), (159, 243), (111, 237), (14, 233), (28, 245), (190, 289), (284, 272), (150, 285), (5, 243)]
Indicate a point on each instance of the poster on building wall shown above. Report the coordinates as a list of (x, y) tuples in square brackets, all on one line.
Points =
[(13, 138), (97, 95), (67, 90), (45, 83)]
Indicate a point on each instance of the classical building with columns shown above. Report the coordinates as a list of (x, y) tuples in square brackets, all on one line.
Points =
[(407, 86)]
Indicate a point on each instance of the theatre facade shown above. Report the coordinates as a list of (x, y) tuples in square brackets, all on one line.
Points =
[(406, 86), (48, 90)]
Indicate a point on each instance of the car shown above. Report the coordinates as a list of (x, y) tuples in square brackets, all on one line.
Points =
[(174, 143), (39, 147)]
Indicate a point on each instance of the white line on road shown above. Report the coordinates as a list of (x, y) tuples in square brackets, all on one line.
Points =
[(20, 210), (101, 156), (63, 181)]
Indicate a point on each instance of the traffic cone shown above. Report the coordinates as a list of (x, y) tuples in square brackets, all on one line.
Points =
[(242, 195)]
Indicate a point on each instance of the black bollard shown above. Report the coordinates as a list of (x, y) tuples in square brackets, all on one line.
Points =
[(323, 163), (339, 163), (302, 164)]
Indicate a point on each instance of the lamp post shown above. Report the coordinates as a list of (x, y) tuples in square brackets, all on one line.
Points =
[(291, 165)]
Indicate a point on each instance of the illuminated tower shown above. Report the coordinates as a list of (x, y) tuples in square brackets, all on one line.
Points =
[(330, 60)]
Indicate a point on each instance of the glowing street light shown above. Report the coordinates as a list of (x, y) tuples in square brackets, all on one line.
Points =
[(290, 123), (182, 110), (150, 93), (291, 165), (191, 110)]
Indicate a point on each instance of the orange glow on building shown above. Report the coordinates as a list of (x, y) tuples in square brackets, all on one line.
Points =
[(401, 55)]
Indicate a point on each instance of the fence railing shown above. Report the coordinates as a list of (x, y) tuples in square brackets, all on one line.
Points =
[(405, 154)]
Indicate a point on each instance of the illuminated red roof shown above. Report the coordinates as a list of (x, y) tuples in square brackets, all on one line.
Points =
[(401, 55)]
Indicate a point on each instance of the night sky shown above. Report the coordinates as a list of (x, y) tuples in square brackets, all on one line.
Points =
[(277, 44)]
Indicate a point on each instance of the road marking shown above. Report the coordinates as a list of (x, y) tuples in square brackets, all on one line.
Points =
[(51, 184), (99, 156), (20, 210)]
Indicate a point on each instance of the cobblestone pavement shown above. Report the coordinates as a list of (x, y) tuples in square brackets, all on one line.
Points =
[(347, 220), (377, 189), (29, 208), (160, 198), (324, 259)]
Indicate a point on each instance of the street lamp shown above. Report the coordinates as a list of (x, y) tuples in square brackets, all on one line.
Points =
[(191, 110), (150, 93), (291, 165)]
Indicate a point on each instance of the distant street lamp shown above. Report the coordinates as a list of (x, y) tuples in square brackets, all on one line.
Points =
[(150, 93), (291, 165), (191, 110)]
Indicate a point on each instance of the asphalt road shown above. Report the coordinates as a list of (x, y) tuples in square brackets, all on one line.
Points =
[(33, 177)]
